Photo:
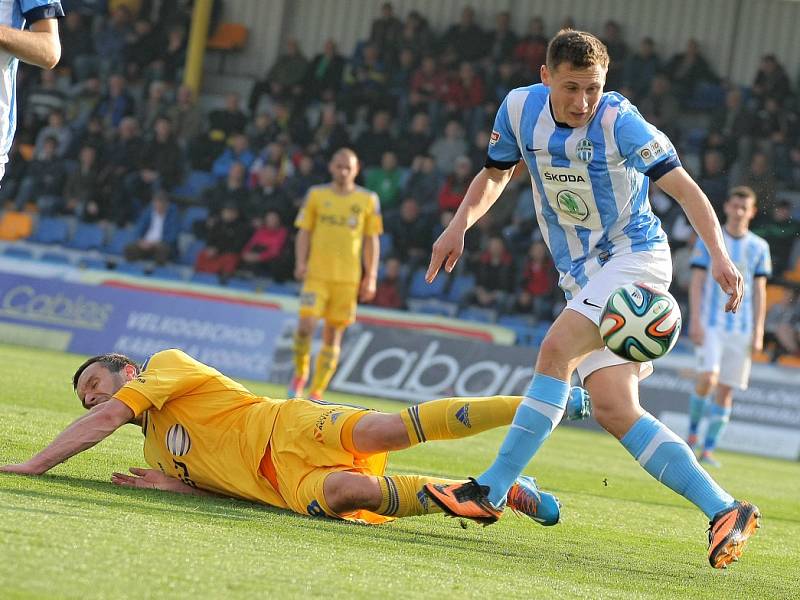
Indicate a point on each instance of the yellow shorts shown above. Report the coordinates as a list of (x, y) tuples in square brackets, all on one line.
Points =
[(306, 447), (333, 301)]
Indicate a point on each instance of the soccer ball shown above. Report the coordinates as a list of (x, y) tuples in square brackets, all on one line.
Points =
[(640, 323)]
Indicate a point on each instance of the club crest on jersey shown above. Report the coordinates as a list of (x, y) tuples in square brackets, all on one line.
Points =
[(585, 150), (178, 441), (572, 204), (494, 138)]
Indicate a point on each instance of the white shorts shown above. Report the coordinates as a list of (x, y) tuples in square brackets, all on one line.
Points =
[(728, 354), (651, 267)]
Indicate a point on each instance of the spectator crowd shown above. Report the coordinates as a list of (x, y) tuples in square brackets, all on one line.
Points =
[(112, 137)]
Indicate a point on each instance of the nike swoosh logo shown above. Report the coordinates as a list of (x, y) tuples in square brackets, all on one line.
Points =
[(529, 149), (592, 304)]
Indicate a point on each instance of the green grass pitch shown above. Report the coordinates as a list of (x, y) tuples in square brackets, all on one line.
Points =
[(72, 534)]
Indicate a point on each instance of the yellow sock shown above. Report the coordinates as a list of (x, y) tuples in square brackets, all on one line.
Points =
[(452, 418), (325, 367), (302, 355), (403, 496)]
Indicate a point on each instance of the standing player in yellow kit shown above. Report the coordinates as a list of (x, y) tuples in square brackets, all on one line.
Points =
[(336, 222)]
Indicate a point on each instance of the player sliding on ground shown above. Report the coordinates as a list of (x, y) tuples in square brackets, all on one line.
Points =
[(203, 432), (590, 155)]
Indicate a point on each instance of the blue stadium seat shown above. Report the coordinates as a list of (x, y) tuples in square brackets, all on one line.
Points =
[(387, 244), (460, 287), (191, 215), (240, 283), (419, 288), (190, 255), (169, 272), (130, 268), (51, 230), (194, 185), (480, 315), (17, 252), (55, 257), (206, 278), (87, 236), (99, 264), (119, 239)]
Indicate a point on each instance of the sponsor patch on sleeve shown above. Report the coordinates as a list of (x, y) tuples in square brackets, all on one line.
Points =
[(494, 138), (653, 150)]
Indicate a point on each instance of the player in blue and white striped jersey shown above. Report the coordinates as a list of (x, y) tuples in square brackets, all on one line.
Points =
[(724, 341), (28, 32), (590, 156)]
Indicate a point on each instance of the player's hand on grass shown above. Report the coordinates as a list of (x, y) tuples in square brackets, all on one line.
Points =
[(730, 280), (26, 468), (367, 290), (696, 333), (447, 249), (149, 479)]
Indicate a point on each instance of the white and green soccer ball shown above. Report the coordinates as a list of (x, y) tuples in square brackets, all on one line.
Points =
[(640, 323)]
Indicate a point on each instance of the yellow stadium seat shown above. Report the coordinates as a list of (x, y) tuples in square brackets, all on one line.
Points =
[(789, 361), (228, 36), (775, 294), (760, 357), (15, 226)]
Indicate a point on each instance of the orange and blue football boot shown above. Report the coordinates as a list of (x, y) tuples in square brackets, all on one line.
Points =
[(729, 532)]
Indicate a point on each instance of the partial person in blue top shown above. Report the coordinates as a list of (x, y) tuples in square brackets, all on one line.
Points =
[(724, 342), (28, 32), (590, 156)]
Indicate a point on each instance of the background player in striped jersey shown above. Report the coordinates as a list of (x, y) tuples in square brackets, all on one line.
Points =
[(590, 155), (28, 32), (337, 222), (725, 341)]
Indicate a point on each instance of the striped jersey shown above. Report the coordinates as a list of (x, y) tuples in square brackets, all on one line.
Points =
[(751, 256), (17, 14), (589, 183)]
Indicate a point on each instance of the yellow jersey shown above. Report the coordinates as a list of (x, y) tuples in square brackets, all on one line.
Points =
[(338, 224), (202, 427)]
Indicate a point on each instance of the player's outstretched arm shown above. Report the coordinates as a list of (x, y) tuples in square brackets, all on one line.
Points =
[(152, 479), (103, 420), (483, 192), (38, 46), (678, 184)]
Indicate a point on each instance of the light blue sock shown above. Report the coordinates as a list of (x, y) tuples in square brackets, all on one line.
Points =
[(536, 417), (667, 458), (697, 408), (718, 417)]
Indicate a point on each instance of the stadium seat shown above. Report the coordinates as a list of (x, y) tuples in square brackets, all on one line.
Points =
[(761, 357), (130, 268), (205, 278), (90, 262), (387, 244), (789, 361), (460, 287), (191, 215), (55, 257), (87, 236), (51, 230), (118, 240), (419, 288), (775, 294), (17, 252), (228, 37), (194, 185), (433, 307), (481, 315), (241, 283), (169, 272), (190, 255), (15, 226)]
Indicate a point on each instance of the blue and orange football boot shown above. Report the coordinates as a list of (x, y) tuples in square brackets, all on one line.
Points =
[(525, 498), (729, 531)]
